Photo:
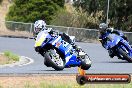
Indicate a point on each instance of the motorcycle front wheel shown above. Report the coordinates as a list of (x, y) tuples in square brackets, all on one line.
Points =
[(54, 60)]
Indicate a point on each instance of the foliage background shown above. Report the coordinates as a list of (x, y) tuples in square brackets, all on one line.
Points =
[(1, 1), (82, 13), (32, 10), (120, 13)]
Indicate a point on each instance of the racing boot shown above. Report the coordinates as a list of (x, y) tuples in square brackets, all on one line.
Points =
[(75, 47)]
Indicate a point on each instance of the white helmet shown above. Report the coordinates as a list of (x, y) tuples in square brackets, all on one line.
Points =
[(39, 25)]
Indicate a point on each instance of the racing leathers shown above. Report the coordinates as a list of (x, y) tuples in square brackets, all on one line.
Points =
[(64, 36)]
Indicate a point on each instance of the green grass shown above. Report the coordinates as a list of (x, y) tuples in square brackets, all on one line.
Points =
[(28, 85), (11, 56), (52, 85)]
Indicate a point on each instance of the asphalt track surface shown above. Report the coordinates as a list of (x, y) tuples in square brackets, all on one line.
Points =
[(101, 62)]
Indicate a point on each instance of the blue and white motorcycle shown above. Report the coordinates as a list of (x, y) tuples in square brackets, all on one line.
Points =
[(117, 46), (59, 54)]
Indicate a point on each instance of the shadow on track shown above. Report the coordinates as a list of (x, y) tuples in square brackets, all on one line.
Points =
[(49, 70), (115, 62)]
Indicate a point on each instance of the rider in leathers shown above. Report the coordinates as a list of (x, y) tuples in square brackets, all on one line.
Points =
[(103, 28)]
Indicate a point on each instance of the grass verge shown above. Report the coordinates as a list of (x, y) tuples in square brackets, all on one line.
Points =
[(52, 82), (47, 85), (8, 58), (11, 56)]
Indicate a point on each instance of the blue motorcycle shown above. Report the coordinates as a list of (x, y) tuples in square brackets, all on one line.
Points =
[(58, 53), (117, 46)]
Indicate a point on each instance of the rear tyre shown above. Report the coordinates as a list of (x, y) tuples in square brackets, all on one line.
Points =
[(86, 63), (54, 60), (125, 55)]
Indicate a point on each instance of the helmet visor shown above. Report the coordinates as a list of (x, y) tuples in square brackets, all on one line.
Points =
[(37, 30)]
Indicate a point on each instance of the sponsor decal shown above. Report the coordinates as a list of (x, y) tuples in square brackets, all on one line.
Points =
[(58, 44)]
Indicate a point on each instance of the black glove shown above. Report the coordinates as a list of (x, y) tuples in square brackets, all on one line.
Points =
[(51, 32)]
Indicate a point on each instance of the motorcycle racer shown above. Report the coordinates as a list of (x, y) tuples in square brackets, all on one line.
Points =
[(103, 28), (57, 49)]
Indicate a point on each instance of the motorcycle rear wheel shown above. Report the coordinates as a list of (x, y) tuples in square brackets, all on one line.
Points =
[(86, 63), (125, 55)]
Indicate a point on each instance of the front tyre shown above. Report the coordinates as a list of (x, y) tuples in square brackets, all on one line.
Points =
[(125, 55), (46, 63), (54, 59)]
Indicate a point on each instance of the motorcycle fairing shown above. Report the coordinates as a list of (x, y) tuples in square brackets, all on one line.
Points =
[(113, 40), (41, 37), (67, 49), (56, 41)]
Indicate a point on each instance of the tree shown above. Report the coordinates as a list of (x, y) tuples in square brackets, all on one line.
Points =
[(88, 6), (32, 10), (76, 19), (119, 13), (59, 2)]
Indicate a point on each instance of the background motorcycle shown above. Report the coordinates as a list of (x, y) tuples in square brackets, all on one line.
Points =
[(117, 46), (59, 54)]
